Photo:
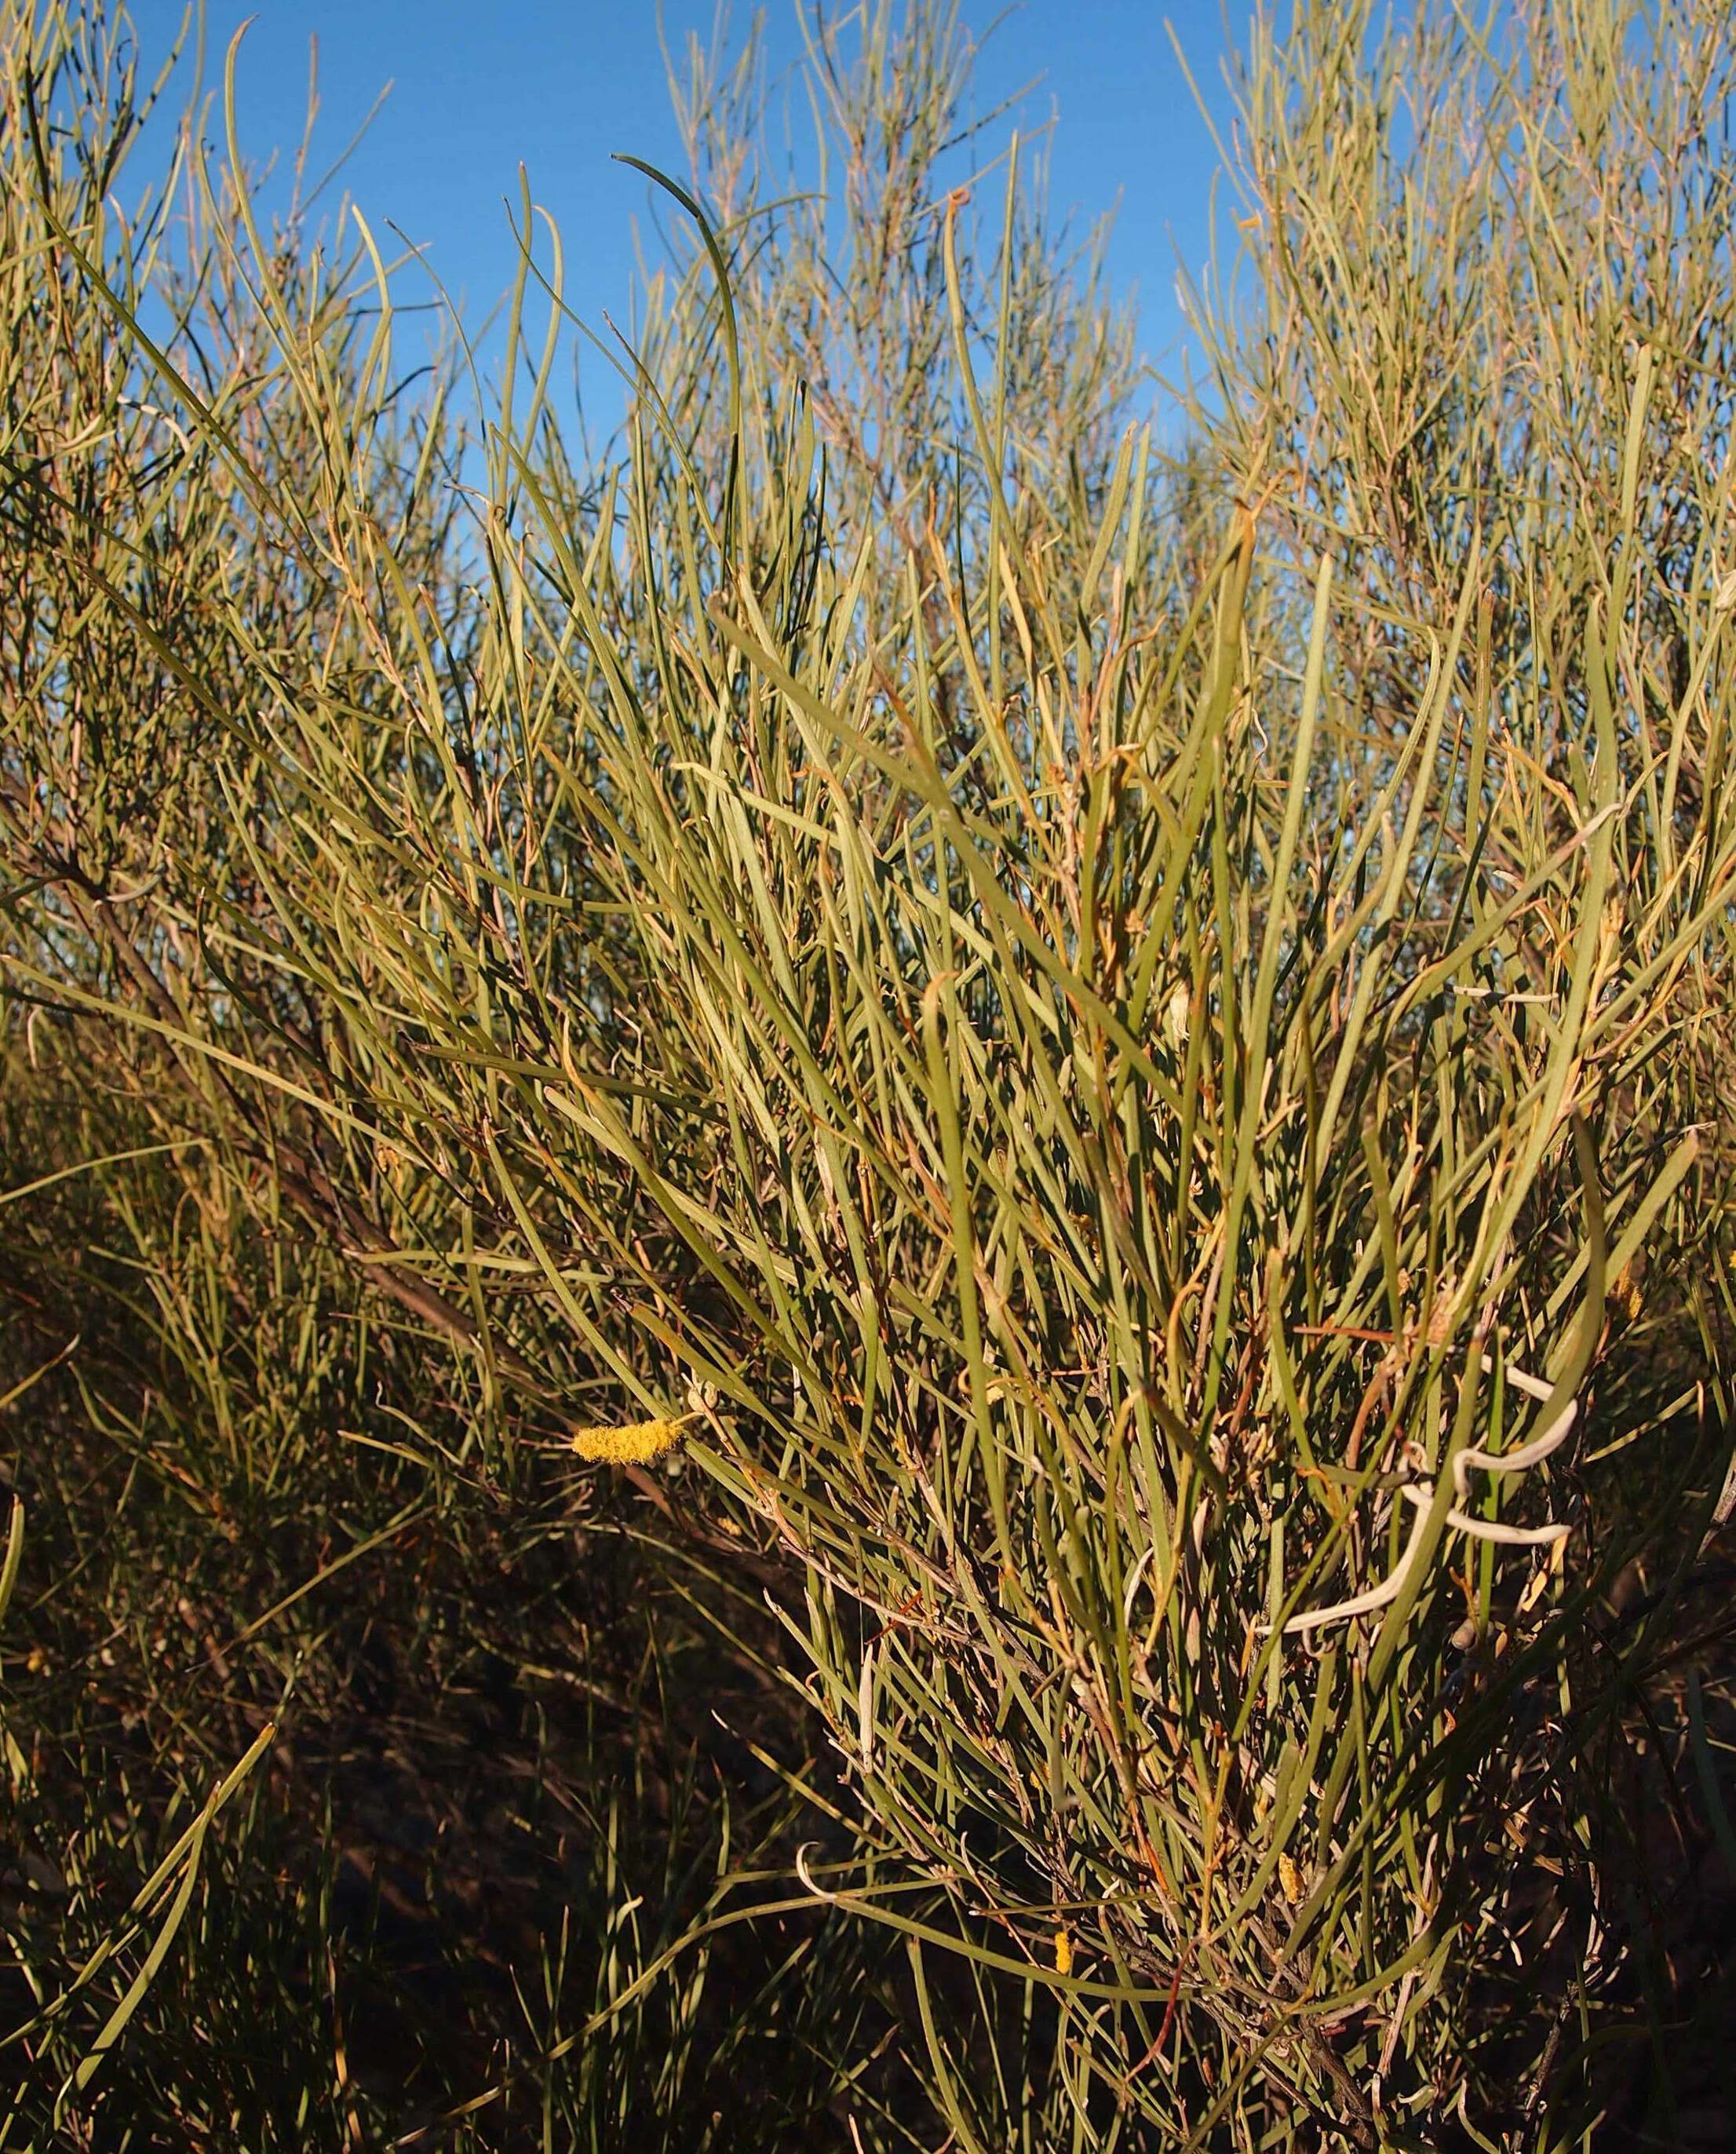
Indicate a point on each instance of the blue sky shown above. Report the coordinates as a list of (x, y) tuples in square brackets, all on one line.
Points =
[(561, 83)]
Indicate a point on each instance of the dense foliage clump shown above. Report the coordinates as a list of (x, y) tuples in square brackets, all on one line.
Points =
[(868, 1277)]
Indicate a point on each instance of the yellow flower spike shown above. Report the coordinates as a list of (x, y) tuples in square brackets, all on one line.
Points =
[(1063, 1953), (636, 1445)]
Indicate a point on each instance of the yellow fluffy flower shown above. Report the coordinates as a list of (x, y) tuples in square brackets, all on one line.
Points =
[(1063, 1953), (636, 1445)]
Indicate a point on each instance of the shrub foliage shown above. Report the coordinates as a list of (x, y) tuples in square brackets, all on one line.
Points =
[(1115, 1067)]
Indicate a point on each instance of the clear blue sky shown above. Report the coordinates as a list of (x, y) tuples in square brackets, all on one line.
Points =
[(561, 83)]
